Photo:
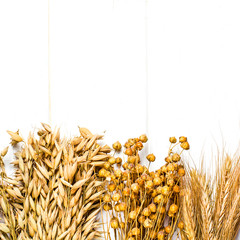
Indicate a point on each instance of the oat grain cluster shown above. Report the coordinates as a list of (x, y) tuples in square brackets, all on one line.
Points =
[(55, 192)]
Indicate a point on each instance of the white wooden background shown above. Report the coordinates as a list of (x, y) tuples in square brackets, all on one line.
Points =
[(126, 66)]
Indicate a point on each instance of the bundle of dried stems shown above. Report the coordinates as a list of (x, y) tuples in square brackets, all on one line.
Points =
[(211, 207), (141, 204), (55, 193)]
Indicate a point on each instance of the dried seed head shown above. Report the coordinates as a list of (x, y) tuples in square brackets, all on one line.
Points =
[(118, 173), (168, 229), (141, 219), (181, 225), (176, 157), (157, 181), (152, 207), (146, 212), (102, 172), (158, 199), (176, 189), (139, 145), (133, 215), (114, 223), (173, 208), (181, 172), (118, 160), (125, 165), (182, 139), (112, 160), (161, 235), (185, 145), (117, 207), (107, 207), (170, 167), (126, 192), (143, 138), (111, 187), (165, 190), (122, 206), (129, 152), (116, 197), (107, 198), (136, 231), (151, 157), (149, 184), (135, 187), (168, 159), (162, 209), (172, 140), (131, 159), (139, 168), (148, 223), (107, 165), (153, 216), (117, 146)]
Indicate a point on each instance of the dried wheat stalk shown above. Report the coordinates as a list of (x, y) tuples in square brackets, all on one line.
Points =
[(55, 193), (211, 209)]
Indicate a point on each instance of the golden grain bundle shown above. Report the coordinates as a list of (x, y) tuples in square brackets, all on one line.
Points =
[(56, 189)]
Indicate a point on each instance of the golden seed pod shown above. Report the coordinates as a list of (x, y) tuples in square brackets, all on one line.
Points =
[(176, 189), (125, 165), (181, 225), (161, 235), (112, 160), (168, 229), (181, 172), (116, 197), (164, 169), (117, 207), (153, 216), (118, 173), (148, 223), (131, 141), (139, 145), (152, 207), (173, 208), (151, 157), (170, 167), (136, 231), (170, 182), (122, 206), (107, 207), (131, 159), (185, 145), (135, 187), (107, 165), (141, 219), (159, 190), (133, 215), (122, 225), (149, 184), (117, 146), (126, 192), (114, 223), (168, 159), (172, 140), (154, 193), (111, 187), (102, 172), (158, 199), (182, 139), (139, 168), (118, 160), (129, 152), (146, 212), (112, 176), (143, 138), (176, 157), (131, 166), (165, 190), (107, 198), (124, 176)]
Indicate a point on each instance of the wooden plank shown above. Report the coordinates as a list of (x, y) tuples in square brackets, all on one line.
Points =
[(194, 74), (98, 66), (23, 63)]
